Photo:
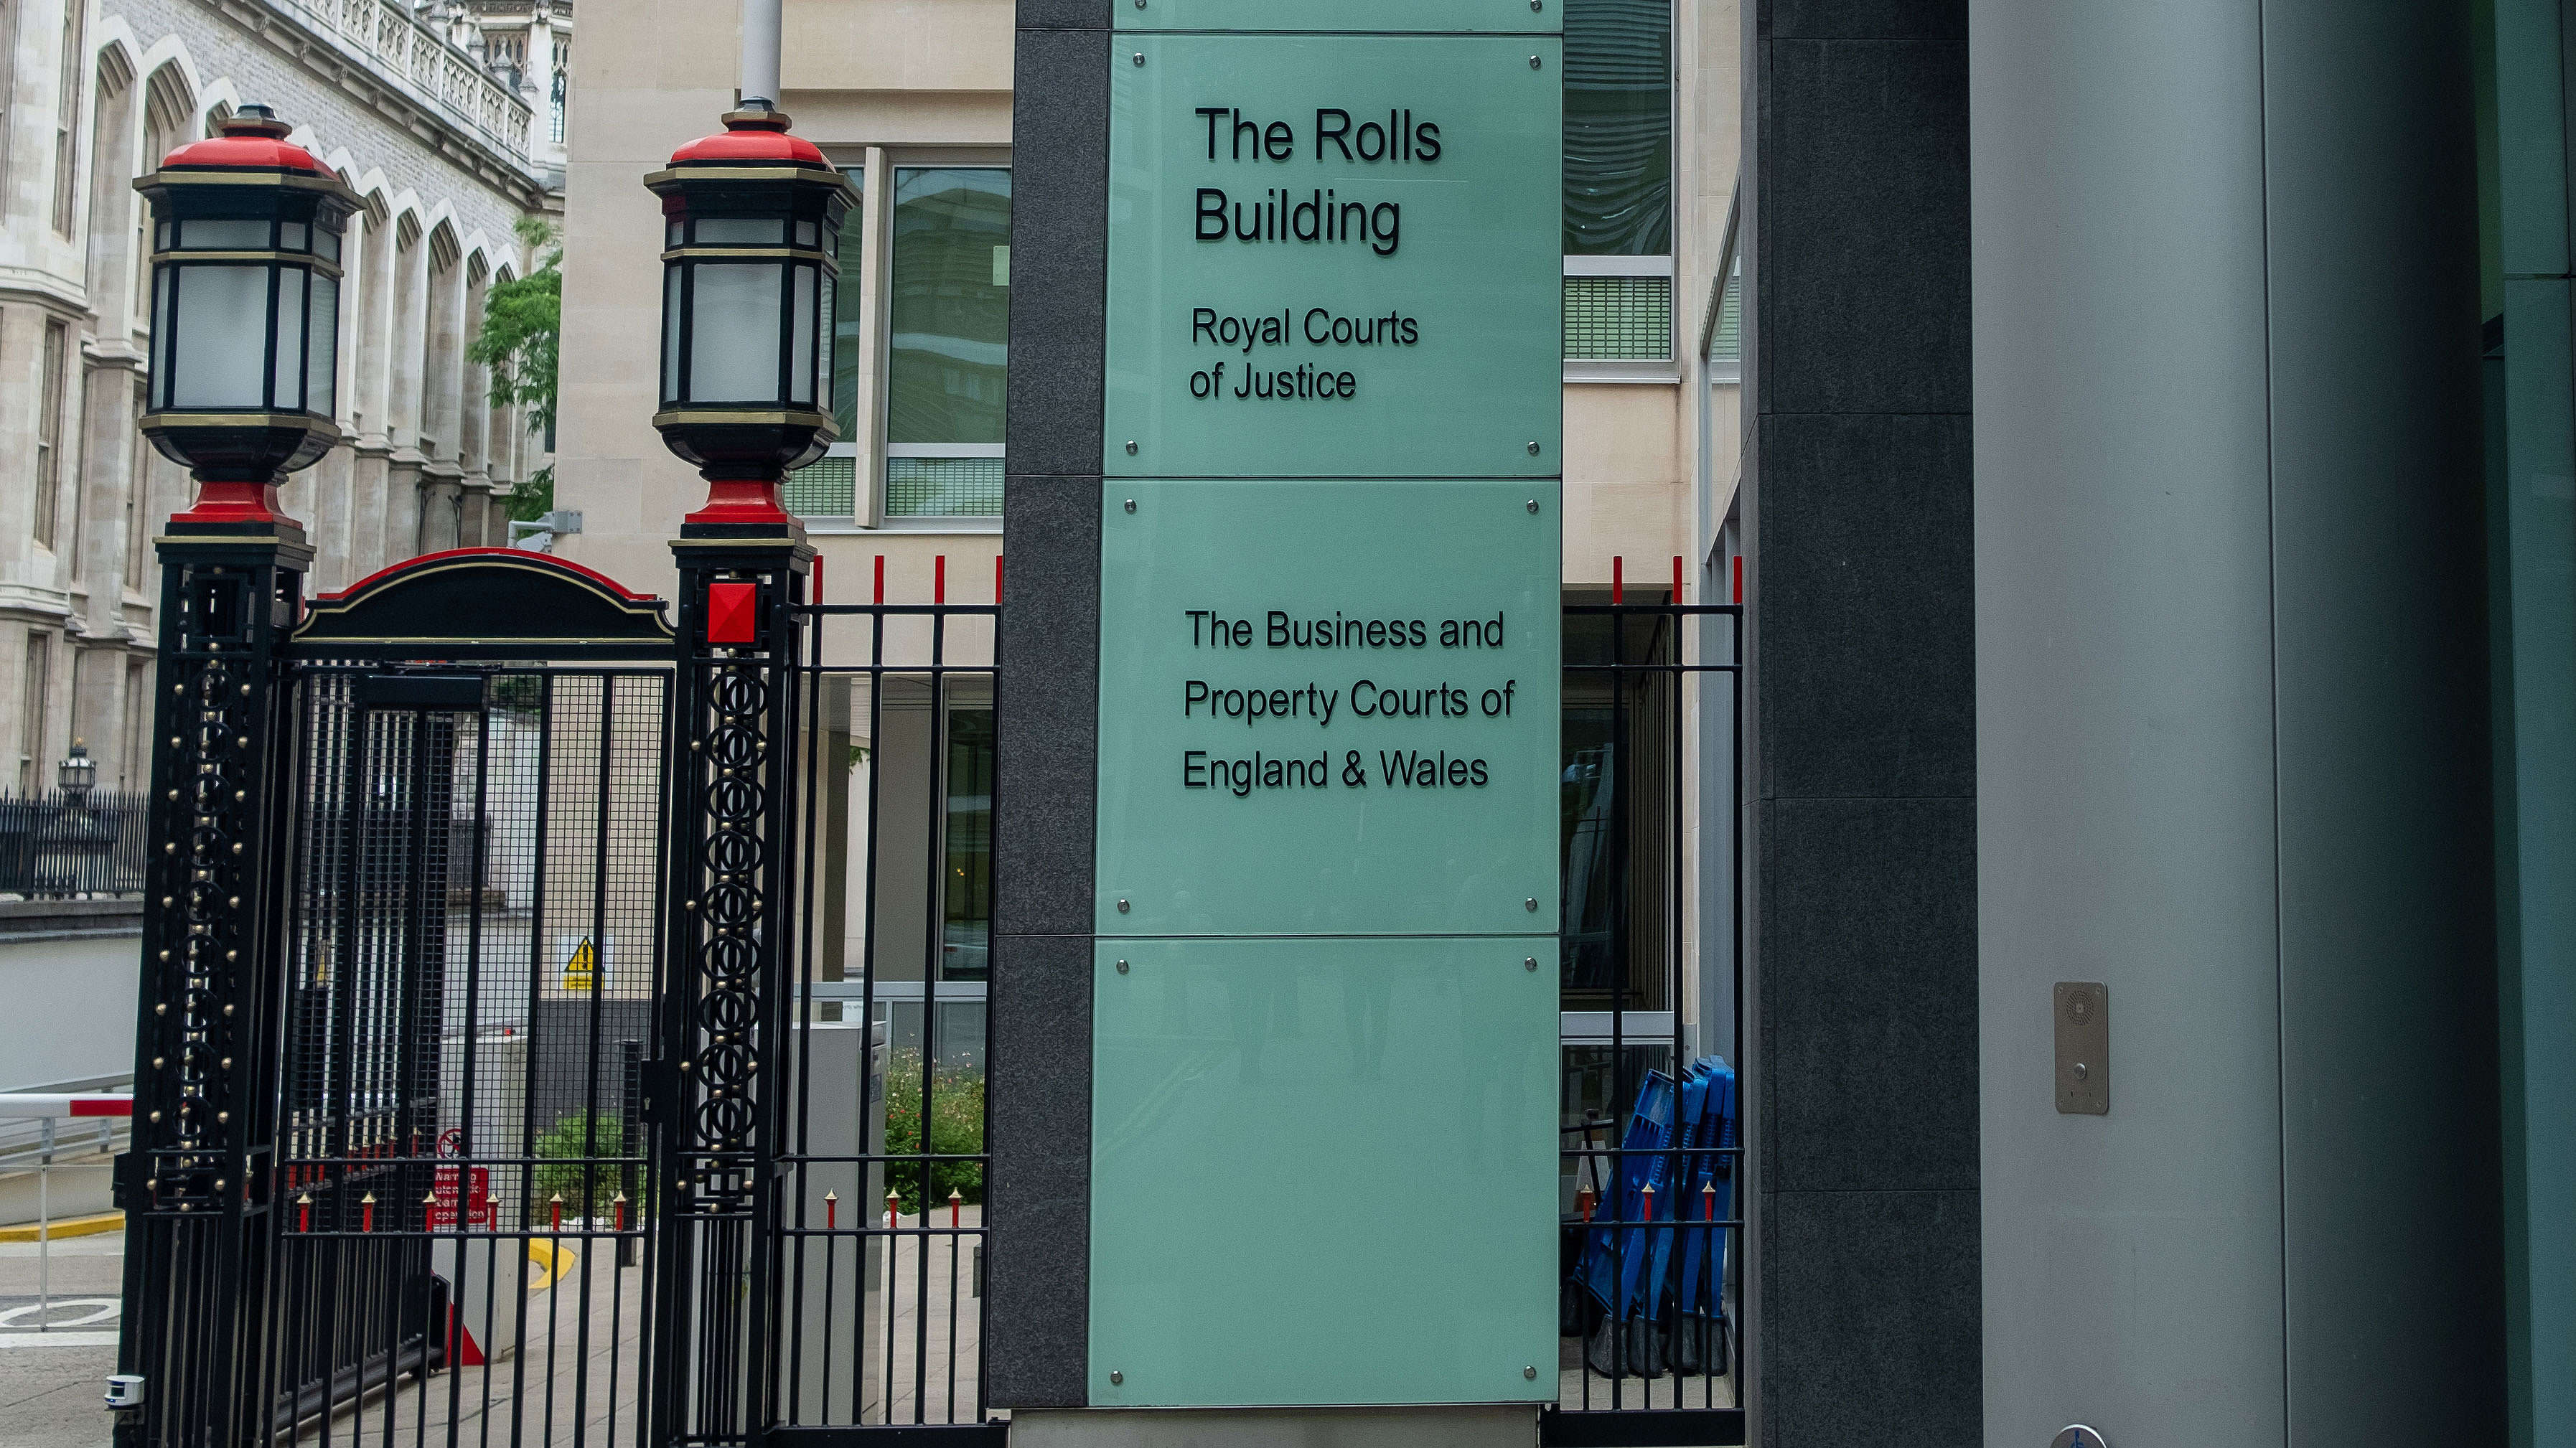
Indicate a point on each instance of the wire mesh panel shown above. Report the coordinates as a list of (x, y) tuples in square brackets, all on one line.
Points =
[(474, 940), (1650, 1229), (882, 1210)]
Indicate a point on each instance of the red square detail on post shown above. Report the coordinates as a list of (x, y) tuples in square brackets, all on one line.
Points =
[(730, 610)]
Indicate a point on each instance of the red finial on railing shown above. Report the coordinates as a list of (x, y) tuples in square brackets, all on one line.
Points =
[(880, 578), (1618, 579), (939, 579)]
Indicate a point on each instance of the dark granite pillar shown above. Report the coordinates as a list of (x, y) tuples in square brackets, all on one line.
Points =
[(1865, 1318), (1038, 1303)]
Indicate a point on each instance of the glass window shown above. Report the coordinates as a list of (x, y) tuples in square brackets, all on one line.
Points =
[(1618, 127), (967, 924), (948, 307), (846, 317)]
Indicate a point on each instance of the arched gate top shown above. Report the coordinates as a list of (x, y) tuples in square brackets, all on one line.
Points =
[(485, 602)]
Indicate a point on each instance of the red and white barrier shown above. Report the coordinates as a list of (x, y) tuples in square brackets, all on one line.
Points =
[(25, 1105)]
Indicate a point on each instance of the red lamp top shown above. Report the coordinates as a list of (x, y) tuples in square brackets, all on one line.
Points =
[(253, 139), (754, 138)]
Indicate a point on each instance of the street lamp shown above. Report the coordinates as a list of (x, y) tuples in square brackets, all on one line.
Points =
[(751, 220), (246, 232), (75, 775)]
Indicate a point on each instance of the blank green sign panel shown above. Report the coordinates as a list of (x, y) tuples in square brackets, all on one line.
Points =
[(1328, 708), (1324, 1172), (1255, 16), (1333, 256)]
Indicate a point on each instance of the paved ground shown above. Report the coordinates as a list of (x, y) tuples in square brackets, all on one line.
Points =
[(51, 1382), (565, 1385)]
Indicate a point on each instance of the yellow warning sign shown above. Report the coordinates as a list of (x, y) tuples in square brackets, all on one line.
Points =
[(579, 967)]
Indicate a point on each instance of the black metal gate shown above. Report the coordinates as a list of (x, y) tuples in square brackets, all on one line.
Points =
[(505, 1075)]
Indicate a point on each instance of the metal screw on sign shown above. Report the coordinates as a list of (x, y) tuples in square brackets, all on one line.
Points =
[(2078, 1436)]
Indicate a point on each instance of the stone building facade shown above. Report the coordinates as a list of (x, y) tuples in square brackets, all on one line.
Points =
[(445, 148)]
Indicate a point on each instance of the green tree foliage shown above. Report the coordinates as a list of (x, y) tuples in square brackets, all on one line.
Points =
[(589, 1187), (521, 338)]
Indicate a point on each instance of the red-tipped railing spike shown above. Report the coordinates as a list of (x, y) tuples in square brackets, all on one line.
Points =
[(1736, 566), (367, 1212), (997, 578), (939, 579), (1583, 1201), (831, 1210), (619, 1202), (880, 578), (1618, 578), (556, 1203), (818, 578), (956, 1202), (304, 1212), (1677, 577), (894, 1207), (1708, 1202)]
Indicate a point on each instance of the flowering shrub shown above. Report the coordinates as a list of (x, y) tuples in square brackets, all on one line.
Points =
[(956, 1128)]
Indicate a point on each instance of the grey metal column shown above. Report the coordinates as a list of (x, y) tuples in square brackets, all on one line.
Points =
[(2232, 723), (1862, 999), (1047, 713)]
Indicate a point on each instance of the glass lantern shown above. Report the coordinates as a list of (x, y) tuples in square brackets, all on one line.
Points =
[(750, 227), (76, 775), (246, 233)]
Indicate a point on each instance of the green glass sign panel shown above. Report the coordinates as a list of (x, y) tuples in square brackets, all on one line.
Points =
[(1515, 17), (1328, 708), (1333, 256), (1324, 1172)]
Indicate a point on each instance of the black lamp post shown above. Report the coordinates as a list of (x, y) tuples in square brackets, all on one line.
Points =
[(246, 232), (751, 219)]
